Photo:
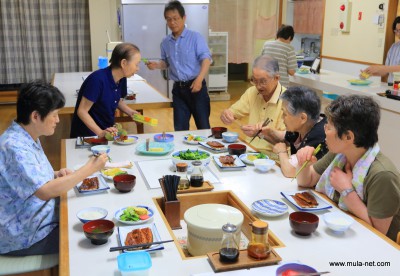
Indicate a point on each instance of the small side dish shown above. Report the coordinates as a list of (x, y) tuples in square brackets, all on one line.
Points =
[(134, 214)]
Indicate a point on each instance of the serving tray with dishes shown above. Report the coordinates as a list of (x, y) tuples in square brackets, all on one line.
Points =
[(306, 200), (214, 145), (248, 158), (92, 184), (141, 213), (138, 234), (207, 186), (269, 207), (155, 148), (229, 162), (87, 142), (244, 261)]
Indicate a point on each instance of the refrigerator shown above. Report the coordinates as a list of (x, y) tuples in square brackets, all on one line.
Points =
[(143, 24)]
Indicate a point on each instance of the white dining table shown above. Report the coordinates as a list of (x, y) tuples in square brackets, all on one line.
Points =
[(367, 251)]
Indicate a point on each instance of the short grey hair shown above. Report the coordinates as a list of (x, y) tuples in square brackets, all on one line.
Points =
[(268, 64), (302, 99)]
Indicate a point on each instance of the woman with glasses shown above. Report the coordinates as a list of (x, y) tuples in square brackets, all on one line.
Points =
[(304, 127), (259, 102), (354, 173), (392, 63)]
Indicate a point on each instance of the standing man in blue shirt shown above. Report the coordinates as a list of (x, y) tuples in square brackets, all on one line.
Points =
[(188, 58)]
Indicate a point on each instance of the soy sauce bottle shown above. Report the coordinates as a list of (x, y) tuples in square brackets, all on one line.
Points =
[(196, 177), (229, 252)]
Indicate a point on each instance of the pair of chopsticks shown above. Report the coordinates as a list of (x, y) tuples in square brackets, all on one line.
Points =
[(169, 185), (137, 245), (316, 150), (267, 121)]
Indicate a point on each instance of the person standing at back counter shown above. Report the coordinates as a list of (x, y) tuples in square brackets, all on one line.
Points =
[(188, 58)]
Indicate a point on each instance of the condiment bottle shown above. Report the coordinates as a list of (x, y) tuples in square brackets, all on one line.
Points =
[(229, 252), (259, 247), (196, 177)]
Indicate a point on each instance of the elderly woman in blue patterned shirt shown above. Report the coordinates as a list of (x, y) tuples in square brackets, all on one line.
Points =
[(29, 185)]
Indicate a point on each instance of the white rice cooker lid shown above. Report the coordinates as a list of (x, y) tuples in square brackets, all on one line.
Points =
[(212, 216)]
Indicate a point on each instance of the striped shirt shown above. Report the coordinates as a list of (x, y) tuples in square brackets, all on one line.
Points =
[(393, 58), (284, 54)]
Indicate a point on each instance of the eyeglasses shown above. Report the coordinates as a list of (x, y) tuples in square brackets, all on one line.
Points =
[(396, 31), (173, 19), (262, 82)]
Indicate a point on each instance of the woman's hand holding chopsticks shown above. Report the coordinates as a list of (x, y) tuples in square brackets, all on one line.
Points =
[(306, 157)]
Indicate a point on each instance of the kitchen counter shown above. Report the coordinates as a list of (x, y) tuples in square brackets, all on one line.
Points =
[(79, 257), (336, 83)]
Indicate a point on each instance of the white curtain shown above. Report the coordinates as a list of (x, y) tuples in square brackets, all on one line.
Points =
[(42, 37), (245, 21)]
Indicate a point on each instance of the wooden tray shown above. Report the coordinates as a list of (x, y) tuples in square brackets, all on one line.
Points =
[(189, 200), (207, 186), (243, 262)]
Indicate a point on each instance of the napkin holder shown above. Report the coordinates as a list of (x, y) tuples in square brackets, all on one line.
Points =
[(172, 211)]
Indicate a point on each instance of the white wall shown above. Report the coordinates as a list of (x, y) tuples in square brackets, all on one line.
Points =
[(365, 41), (103, 17)]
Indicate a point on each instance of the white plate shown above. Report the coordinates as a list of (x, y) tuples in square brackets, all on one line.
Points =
[(111, 177), (269, 207), (119, 212), (194, 142), (103, 186), (237, 165), (244, 156), (322, 205), (204, 144), (124, 230), (131, 140)]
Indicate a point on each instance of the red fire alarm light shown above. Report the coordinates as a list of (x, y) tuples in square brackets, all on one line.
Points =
[(342, 7), (341, 25)]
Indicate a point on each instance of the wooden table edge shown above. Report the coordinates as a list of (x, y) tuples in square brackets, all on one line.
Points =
[(64, 237)]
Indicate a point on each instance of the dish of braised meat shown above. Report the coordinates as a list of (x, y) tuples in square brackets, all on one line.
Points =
[(139, 236), (89, 184), (305, 200)]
